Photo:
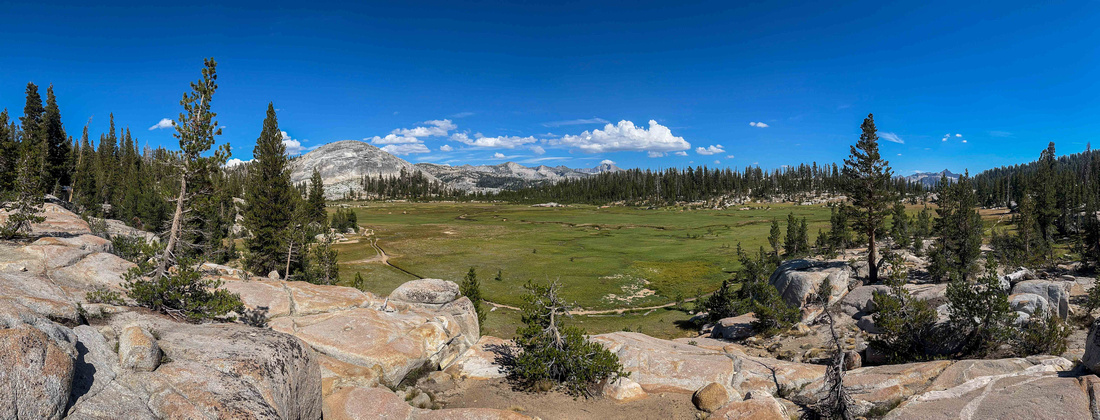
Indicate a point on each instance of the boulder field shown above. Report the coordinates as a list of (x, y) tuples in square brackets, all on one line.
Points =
[(336, 352)]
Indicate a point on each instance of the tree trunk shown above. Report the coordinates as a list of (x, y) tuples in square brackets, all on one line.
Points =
[(872, 268), (289, 253), (174, 233)]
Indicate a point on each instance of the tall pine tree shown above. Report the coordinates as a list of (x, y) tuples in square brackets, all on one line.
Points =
[(867, 178), (268, 199), (57, 145)]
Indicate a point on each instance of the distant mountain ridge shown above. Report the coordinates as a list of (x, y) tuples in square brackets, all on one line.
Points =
[(343, 165), (930, 179)]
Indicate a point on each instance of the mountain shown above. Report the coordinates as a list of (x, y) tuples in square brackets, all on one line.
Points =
[(604, 167), (505, 176), (343, 165), (932, 178)]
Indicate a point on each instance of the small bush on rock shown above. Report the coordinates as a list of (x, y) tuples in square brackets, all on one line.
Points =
[(1043, 335), (551, 352), (182, 293), (907, 324)]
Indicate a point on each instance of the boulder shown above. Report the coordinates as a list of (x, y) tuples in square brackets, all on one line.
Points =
[(710, 397), (1055, 292), (428, 291), (666, 366), (274, 275), (734, 328), (96, 270), (380, 403), (1031, 394), (798, 280), (773, 376), (867, 324), (480, 362), (1019, 275), (879, 387), (36, 364), (623, 390), (852, 360), (934, 293), (58, 222), (756, 406), (85, 242), (1029, 303), (860, 301), (138, 350), (1091, 359)]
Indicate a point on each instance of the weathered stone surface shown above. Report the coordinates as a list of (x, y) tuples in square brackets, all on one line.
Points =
[(336, 374), (623, 390), (798, 280), (965, 370), (934, 293), (666, 366), (479, 362), (138, 350), (860, 301), (58, 222), (96, 393), (89, 243), (429, 291), (1019, 275), (267, 296), (756, 406), (763, 374), (734, 328), (379, 403), (311, 298), (1091, 359), (100, 269), (1029, 303), (1032, 394), (225, 371), (1055, 292), (867, 323), (36, 364), (710, 397), (397, 342), (880, 386)]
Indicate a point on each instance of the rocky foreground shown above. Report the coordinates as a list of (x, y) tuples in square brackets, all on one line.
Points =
[(341, 353)]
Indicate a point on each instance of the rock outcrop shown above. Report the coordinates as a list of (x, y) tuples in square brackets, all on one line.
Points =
[(798, 280), (1056, 293), (36, 364)]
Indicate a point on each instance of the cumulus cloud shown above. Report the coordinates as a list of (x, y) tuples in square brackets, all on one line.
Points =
[(405, 149), (580, 121), (625, 136), (538, 150), (655, 154), (498, 155), (446, 148), (607, 162), (234, 162), (681, 153), (758, 124), (394, 139), (506, 142), (729, 156), (716, 162), (891, 137), (163, 123), (710, 150), (958, 135), (964, 141), (433, 128), (293, 147)]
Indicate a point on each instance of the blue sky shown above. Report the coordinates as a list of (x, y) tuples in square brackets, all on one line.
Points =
[(958, 85)]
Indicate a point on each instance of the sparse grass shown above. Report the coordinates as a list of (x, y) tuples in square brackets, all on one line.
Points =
[(593, 252)]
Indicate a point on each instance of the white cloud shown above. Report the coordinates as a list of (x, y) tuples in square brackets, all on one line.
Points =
[(710, 150), (758, 124), (899, 154), (462, 114), (944, 138), (958, 135), (234, 162), (405, 149), (607, 162), (446, 148), (656, 154), (498, 155), (729, 156), (891, 137), (538, 150), (393, 139), (964, 141), (293, 147), (716, 162), (433, 128), (681, 153), (544, 159), (506, 142), (163, 123), (576, 122), (625, 136)]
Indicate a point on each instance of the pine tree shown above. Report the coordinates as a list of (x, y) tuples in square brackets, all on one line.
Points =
[(774, 237), (867, 178), (803, 237), (84, 177), (358, 282), (195, 130), (899, 226), (1046, 189), (316, 200), (471, 288), (959, 227), (57, 145), (27, 206), (790, 243), (9, 156), (268, 193)]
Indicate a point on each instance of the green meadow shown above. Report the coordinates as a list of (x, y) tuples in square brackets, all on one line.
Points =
[(605, 258)]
